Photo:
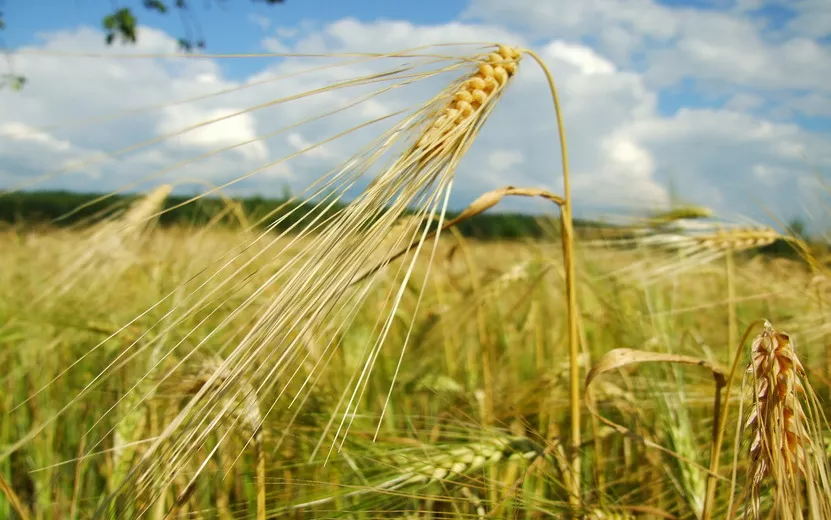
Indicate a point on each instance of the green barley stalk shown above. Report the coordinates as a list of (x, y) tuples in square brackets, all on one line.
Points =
[(422, 467)]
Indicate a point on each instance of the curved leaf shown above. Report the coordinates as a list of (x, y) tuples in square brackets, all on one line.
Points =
[(622, 357)]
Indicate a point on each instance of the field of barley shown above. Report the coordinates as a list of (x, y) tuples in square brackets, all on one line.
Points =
[(354, 363)]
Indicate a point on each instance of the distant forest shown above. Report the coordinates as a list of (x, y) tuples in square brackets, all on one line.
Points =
[(63, 208)]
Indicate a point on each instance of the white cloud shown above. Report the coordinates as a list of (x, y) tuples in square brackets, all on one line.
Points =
[(230, 128), (22, 132), (275, 45), (356, 36), (260, 21), (743, 102), (733, 52), (286, 32), (620, 26), (769, 174), (713, 155), (582, 58), (301, 144), (813, 18), (709, 44), (811, 104), (504, 160), (26, 151)]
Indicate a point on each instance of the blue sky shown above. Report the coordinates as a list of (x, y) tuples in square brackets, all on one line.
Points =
[(727, 98), (229, 26)]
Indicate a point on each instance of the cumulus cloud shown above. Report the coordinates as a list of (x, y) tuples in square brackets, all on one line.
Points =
[(736, 45), (36, 151), (811, 18), (227, 128), (766, 74), (504, 160), (263, 22), (624, 149)]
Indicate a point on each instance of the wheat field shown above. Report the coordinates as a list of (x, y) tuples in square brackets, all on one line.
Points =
[(357, 363), (475, 423)]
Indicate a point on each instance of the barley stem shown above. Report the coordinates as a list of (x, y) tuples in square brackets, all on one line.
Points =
[(730, 265), (260, 450), (718, 428), (17, 504), (571, 291)]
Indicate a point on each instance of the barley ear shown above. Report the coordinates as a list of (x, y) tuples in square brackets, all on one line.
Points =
[(667, 218), (470, 98), (786, 446)]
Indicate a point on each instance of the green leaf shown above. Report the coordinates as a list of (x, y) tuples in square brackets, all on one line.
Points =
[(156, 5), (109, 22), (13, 81), (17, 83), (121, 23), (185, 45)]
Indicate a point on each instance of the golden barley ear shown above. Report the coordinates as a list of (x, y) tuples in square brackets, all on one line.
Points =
[(111, 246), (312, 292), (469, 99), (687, 249), (786, 427)]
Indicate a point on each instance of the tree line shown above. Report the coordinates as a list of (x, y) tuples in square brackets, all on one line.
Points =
[(28, 210), (65, 208)]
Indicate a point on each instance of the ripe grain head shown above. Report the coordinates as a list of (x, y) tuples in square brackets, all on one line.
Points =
[(108, 247), (670, 251), (313, 290), (786, 431)]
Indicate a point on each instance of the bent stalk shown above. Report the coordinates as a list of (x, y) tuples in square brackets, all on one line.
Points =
[(571, 292)]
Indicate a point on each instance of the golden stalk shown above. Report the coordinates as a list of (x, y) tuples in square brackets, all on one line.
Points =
[(575, 494)]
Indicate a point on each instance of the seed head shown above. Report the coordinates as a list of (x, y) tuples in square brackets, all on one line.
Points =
[(777, 420), (472, 96)]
